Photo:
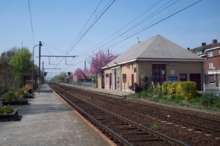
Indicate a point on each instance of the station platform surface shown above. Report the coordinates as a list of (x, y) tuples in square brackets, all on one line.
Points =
[(47, 121), (109, 91)]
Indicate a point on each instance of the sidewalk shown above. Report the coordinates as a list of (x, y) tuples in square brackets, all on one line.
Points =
[(48, 121), (109, 91)]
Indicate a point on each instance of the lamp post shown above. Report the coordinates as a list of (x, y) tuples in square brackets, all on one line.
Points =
[(33, 69)]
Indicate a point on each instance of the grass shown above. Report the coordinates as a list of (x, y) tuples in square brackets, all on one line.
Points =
[(154, 126)]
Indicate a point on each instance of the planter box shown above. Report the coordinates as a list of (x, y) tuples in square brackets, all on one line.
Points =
[(9, 117), (28, 96), (15, 102)]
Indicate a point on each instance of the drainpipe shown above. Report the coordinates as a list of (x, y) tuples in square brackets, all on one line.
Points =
[(136, 73), (203, 76)]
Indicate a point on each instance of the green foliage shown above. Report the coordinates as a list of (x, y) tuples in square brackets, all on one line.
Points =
[(154, 126), (12, 96), (6, 109), (209, 99), (177, 98), (165, 87), (146, 84), (21, 61), (137, 87), (188, 89), (157, 91), (172, 88), (59, 78)]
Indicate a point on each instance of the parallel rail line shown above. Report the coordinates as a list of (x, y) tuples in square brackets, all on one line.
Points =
[(152, 112), (130, 133)]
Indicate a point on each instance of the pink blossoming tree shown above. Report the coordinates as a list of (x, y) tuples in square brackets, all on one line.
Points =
[(99, 60)]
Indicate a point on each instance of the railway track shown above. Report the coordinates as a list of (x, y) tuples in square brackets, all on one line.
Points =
[(119, 129), (199, 124)]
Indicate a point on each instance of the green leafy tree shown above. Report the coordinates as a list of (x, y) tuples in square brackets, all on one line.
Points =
[(59, 78), (21, 60)]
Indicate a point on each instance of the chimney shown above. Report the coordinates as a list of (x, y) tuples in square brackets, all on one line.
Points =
[(138, 39), (203, 44), (188, 48), (214, 41)]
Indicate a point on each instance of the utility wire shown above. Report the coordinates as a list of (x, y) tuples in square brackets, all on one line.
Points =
[(137, 24), (140, 30), (90, 27), (52, 47), (31, 22)]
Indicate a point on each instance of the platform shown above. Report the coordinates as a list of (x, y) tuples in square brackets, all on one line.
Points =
[(47, 121), (109, 91)]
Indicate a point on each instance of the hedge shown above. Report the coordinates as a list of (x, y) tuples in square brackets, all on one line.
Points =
[(187, 89)]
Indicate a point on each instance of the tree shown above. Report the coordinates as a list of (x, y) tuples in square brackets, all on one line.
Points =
[(6, 56), (21, 61), (59, 78), (80, 73), (99, 60)]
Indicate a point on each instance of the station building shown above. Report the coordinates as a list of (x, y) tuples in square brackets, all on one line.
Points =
[(159, 58)]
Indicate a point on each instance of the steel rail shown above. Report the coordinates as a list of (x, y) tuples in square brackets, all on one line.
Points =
[(168, 139), (99, 124), (214, 131), (199, 127)]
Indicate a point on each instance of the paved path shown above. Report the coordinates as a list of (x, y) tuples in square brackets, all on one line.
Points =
[(115, 92), (48, 121)]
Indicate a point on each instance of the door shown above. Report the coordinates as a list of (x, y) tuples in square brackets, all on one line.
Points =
[(196, 78), (103, 80), (158, 73), (132, 82)]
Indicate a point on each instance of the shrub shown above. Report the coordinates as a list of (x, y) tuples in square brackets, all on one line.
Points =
[(165, 87), (172, 88), (6, 109), (9, 96), (137, 87), (188, 89), (209, 99), (157, 91), (146, 84), (177, 98)]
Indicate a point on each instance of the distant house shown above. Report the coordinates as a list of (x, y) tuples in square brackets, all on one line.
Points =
[(74, 78), (211, 53), (159, 58)]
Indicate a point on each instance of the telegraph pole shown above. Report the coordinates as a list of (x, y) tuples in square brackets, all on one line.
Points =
[(43, 70), (40, 44)]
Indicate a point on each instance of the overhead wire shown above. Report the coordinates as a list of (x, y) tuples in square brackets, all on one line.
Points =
[(147, 27), (91, 25), (137, 24), (32, 30)]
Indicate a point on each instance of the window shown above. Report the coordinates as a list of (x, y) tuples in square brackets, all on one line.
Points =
[(199, 53), (172, 72), (210, 54), (183, 77), (210, 65)]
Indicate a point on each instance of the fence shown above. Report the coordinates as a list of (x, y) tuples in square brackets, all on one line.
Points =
[(88, 84)]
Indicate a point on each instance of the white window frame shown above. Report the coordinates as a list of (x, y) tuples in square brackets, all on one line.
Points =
[(172, 71), (210, 53), (211, 66)]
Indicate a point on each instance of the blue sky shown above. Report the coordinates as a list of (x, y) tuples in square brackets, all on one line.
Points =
[(57, 24)]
